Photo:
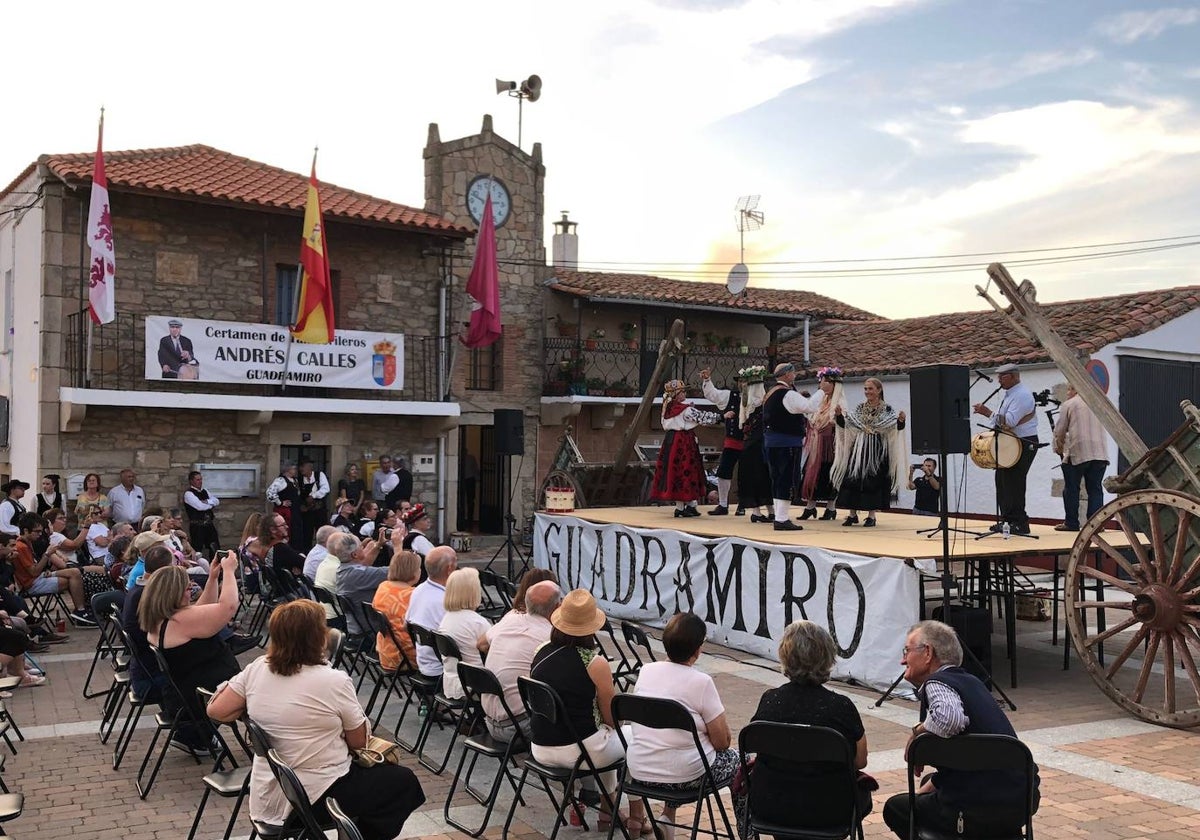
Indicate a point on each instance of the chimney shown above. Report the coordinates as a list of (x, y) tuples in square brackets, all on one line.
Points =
[(565, 248)]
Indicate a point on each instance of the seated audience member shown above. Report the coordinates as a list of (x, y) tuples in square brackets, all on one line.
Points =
[(955, 702), (512, 642), (462, 623), (135, 557), (13, 646), (318, 552), (146, 680), (417, 521), (35, 577), (93, 533), (357, 578), (325, 578), (571, 664), (527, 580), (271, 549), (389, 530), (427, 607), (190, 635), (667, 758), (806, 794), (364, 520), (249, 560), (313, 718), (188, 558), (392, 600), (343, 518)]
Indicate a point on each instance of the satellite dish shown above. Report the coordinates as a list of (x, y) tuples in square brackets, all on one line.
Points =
[(739, 276), (503, 86), (532, 88)]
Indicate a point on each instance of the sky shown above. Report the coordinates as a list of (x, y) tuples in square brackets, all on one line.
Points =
[(886, 138)]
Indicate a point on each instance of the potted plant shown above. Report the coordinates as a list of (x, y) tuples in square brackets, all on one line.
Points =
[(595, 335), (712, 342), (629, 330), (742, 346), (689, 341), (596, 386)]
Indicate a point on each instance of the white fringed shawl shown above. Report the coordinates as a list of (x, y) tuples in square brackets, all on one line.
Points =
[(860, 446)]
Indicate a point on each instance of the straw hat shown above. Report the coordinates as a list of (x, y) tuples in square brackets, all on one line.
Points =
[(143, 541), (578, 614)]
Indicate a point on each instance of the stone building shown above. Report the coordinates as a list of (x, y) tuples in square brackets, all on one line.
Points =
[(212, 239)]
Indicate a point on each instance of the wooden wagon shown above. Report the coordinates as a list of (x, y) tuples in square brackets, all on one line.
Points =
[(1153, 584)]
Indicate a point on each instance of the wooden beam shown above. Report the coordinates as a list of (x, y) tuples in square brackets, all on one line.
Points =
[(1025, 306), (667, 351)]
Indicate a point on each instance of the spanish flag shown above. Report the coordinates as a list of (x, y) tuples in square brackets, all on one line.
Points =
[(314, 304)]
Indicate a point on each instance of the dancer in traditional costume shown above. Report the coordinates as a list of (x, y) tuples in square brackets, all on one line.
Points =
[(819, 446), (727, 402), (754, 481), (870, 454), (679, 475), (785, 422)]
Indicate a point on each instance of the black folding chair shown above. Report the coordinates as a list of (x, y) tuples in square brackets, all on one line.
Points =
[(230, 783), (971, 753), (478, 682), (393, 682), (293, 827), (169, 723), (326, 598), (446, 647), (623, 673), (423, 689), (108, 643), (335, 644), (297, 797), (796, 743), (495, 596), (637, 640), (346, 828), (361, 640), (660, 713), (541, 700)]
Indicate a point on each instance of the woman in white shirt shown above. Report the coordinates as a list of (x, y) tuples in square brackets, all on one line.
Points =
[(313, 718), (463, 624), (667, 758)]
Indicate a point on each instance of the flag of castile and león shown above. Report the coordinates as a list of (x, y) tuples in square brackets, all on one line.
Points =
[(102, 296), (314, 310)]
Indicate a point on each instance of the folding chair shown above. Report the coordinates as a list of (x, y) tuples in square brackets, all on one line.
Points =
[(360, 643), (293, 828), (232, 783), (335, 644), (446, 648), (476, 683), (495, 596), (622, 667), (297, 797), (423, 689), (46, 607), (108, 643), (543, 701), (971, 753), (325, 597), (636, 639), (169, 723), (660, 713), (786, 742), (11, 804), (394, 680), (346, 828)]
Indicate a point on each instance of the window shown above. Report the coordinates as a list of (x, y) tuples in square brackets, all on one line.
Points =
[(285, 293), (483, 368)]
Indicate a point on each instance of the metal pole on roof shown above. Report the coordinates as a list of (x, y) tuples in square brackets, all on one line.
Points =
[(807, 359)]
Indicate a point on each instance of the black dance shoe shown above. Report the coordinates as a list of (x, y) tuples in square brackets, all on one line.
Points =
[(719, 510), (869, 522), (996, 528), (788, 525), (754, 517), (741, 511), (829, 515), (691, 511), (809, 513), (681, 512), (852, 519)]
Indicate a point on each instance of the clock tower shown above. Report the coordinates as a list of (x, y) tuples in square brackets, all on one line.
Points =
[(459, 176)]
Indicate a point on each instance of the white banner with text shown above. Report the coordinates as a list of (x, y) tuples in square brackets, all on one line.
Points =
[(196, 350), (746, 591)]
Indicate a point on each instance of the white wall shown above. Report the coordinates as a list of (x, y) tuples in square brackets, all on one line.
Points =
[(21, 253)]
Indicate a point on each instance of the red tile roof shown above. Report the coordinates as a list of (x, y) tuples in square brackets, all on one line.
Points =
[(985, 339), (209, 174), (646, 288)]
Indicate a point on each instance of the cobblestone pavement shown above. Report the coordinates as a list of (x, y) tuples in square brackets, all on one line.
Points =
[(1104, 774)]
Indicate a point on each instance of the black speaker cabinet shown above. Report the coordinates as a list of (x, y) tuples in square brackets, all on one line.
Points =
[(974, 626), (940, 419), (510, 431)]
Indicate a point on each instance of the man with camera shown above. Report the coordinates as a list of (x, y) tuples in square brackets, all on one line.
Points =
[(923, 478)]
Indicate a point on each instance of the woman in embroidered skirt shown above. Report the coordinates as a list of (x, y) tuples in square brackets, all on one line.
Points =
[(819, 446), (869, 454), (679, 475)]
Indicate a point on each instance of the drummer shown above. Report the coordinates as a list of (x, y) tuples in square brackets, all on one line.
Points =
[(1016, 416)]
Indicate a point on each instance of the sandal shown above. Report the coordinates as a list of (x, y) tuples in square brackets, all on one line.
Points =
[(31, 681), (638, 828), (604, 820)]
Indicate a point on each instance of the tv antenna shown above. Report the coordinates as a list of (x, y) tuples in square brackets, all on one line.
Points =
[(530, 89), (747, 218)]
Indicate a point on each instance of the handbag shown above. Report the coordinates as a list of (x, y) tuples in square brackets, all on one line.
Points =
[(377, 751)]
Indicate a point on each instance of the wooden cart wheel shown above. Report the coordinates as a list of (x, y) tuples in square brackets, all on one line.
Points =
[(1152, 604), (563, 479)]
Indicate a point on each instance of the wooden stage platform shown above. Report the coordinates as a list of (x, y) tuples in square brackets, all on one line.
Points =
[(895, 535)]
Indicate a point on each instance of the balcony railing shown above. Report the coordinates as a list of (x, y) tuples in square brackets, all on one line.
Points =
[(586, 367), (118, 362)]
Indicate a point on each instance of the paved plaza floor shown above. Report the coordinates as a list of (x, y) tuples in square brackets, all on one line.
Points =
[(1104, 774)]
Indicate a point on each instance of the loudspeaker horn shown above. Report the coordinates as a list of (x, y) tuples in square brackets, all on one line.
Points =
[(503, 86), (532, 88)]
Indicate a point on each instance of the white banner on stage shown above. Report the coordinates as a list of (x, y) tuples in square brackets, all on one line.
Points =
[(198, 350), (746, 591)]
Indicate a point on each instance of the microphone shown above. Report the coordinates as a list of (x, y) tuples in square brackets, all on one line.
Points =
[(982, 375)]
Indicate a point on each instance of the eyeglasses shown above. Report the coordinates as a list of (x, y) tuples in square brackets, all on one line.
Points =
[(907, 650)]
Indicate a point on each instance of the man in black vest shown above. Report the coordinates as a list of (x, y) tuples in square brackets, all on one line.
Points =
[(201, 510), (955, 702), (784, 426), (727, 402)]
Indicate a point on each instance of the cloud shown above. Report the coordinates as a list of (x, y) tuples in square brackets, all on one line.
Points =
[(1128, 27)]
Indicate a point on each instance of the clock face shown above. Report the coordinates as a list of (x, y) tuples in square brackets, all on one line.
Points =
[(477, 194)]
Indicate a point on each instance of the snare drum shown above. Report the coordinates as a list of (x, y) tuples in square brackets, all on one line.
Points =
[(990, 450)]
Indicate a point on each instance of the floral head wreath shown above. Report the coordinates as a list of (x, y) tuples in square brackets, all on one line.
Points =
[(833, 374), (673, 387), (752, 374)]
